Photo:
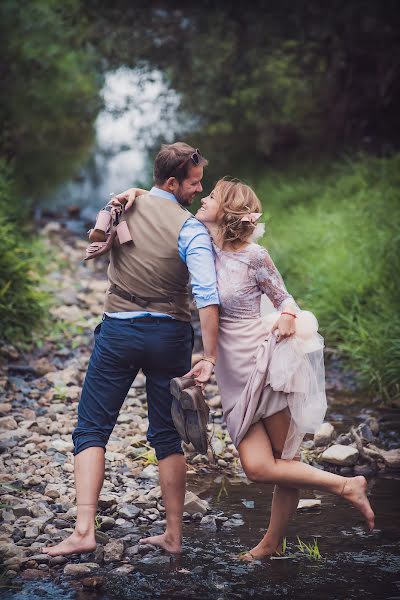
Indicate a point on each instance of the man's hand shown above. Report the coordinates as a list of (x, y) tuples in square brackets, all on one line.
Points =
[(128, 197), (201, 372)]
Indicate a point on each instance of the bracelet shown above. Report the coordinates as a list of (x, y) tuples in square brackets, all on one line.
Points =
[(210, 359), (288, 313)]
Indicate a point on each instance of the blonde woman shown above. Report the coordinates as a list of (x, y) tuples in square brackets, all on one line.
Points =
[(269, 371)]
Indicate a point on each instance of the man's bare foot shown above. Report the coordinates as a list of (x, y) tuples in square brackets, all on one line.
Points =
[(163, 541), (73, 544), (354, 490), (262, 550)]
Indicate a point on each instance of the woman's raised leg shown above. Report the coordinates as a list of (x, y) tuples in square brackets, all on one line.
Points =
[(259, 464), (285, 498)]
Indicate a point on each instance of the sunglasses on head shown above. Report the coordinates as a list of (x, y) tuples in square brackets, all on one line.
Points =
[(195, 157)]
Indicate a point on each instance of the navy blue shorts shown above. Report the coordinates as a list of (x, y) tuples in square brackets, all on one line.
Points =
[(162, 348)]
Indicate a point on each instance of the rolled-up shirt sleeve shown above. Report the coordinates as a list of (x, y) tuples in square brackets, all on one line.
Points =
[(195, 249)]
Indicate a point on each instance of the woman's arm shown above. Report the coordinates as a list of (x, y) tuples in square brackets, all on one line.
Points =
[(270, 282), (128, 197), (125, 199)]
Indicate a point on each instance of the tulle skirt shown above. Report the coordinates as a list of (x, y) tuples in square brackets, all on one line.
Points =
[(258, 376)]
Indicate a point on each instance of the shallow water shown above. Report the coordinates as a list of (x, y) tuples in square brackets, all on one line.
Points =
[(354, 564)]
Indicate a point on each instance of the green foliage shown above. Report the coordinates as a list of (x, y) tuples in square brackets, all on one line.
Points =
[(260, 81), (335, 239), (22, 305), (50, 92)]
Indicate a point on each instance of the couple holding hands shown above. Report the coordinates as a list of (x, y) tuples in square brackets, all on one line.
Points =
[(269, 369)]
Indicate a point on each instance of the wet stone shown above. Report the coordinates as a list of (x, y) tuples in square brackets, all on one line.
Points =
[(209, 522), (129, 511), (113, 551), (157, 560), (340, 455)]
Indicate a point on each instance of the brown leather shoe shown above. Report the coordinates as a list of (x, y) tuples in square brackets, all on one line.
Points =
[(190, 412)]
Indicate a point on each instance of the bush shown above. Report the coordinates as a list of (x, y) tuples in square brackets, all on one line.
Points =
[(335, 239), (21, 303)]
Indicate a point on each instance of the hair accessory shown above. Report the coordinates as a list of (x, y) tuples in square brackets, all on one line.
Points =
[(251, 217)]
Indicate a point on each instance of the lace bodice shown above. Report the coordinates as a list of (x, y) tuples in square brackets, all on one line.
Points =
[(243, 276)]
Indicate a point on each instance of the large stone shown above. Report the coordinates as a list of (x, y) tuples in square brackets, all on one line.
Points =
[(8, 423), (324, 435), (113, 551), (194, 504), (340, 455), (391, 458)]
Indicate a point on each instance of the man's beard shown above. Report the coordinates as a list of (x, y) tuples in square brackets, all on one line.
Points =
[(182, 201)]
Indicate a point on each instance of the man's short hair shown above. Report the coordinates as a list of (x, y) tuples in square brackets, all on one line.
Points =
[(174, 160)]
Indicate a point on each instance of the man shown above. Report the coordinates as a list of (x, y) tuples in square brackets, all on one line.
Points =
[(146, 325)]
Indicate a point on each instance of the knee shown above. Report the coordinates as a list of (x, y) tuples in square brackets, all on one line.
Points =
[(258, 472)]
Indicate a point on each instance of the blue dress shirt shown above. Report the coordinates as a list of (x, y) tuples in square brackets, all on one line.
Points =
[(195, 250)]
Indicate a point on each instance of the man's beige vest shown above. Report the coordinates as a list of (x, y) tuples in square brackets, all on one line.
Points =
[(150, 266)]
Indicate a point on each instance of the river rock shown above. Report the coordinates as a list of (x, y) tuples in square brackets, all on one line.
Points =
[(132, 551), (129, 511), (106, 500), (76, 570), (309, 504), (150, 472), (365, 433), (61, 445), (340, 455), (8, 423), (113, 551), (157, 560), (391, 458), (124, 570), (324, 435), (209, 522), (92, 582), (194, 504), (214, 402)]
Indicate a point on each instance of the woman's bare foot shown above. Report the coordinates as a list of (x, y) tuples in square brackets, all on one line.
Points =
[(165, 542), (73, 544), (354, 490), (262, 550)]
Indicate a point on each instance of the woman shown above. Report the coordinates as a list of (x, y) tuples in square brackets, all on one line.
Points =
[(266, 411)]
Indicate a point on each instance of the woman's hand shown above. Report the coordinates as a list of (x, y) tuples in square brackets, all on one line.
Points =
[(285, 326), (128, 197)]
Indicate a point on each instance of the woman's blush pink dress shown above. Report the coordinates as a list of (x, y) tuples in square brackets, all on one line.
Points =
[(258, 377)]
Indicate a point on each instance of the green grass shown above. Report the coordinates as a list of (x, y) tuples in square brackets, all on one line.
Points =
[(334, 235)]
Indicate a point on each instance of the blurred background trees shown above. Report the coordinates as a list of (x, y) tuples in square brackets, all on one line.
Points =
[(300, 99)]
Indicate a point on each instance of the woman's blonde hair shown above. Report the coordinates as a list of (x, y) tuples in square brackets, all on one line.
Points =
[(236, 201)]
